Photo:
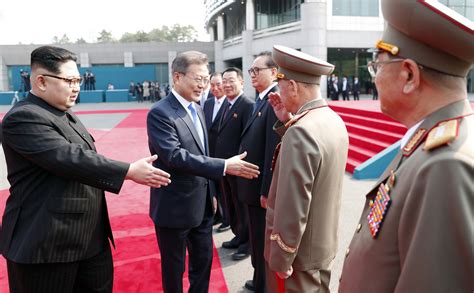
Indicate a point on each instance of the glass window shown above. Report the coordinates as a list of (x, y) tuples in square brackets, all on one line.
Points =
[(234, 20), (355, 8), (463, 7), (271, 13)]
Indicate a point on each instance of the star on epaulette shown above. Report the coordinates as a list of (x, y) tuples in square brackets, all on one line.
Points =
[(442, 134)]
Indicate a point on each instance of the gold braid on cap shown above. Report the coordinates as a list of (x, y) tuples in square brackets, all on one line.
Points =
[(387, 47)]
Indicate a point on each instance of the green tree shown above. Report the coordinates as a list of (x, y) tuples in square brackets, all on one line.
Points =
[(81, 41), (176, 33), (63, 40), (105, 37)]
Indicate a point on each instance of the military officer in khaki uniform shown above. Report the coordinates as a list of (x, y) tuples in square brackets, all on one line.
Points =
[(415, 233), (304, 197)]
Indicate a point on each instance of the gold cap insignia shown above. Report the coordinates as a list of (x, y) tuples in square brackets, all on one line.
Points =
[(387, 47)]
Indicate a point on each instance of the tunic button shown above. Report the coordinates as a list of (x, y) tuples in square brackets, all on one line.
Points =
[(347, 252), (358, 227)]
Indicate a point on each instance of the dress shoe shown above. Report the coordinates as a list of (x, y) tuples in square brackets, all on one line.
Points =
[(232, 244), (249, 285), (223, 227), (240, 255)]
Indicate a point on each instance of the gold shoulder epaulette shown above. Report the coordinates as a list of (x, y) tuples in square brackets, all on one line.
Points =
[(444, 133)]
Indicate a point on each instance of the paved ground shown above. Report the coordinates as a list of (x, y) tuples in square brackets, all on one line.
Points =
[(236, 273)]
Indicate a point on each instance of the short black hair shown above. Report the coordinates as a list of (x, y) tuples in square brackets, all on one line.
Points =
[(185, 59), (51, 58), (217, 73), (234, 69), (269, 62)]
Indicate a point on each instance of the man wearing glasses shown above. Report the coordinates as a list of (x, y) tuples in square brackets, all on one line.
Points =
[(415, 232), (183, 210), (259, 140), (56, 230)]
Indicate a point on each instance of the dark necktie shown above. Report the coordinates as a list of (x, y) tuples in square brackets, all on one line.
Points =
[(257, 104), (224, 113)]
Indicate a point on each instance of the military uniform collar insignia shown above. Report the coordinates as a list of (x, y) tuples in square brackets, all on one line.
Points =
[(414, 142)]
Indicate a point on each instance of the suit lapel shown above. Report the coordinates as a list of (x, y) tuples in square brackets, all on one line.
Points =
[(79, 129), (183, 115), (208, 110), (216, 121)]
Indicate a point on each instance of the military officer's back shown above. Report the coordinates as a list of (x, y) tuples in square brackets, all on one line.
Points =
[(415, 233)]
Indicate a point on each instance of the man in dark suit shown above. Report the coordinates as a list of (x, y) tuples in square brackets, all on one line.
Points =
[(56, 229), (233, 121), (260, 141), (213, 109), (183, 211), (356, 88)]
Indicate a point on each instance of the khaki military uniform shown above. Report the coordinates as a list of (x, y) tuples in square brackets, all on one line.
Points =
[(304, 199), (424, 239)]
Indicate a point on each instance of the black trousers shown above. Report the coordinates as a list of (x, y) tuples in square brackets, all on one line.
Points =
[(173, 243), (257, 243), (95, 274), (236, 209)]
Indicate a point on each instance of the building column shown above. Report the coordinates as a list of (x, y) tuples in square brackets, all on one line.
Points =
[(219, 64), (220, 28), (84, 59), (3, 75), (128, 59), (210, 31), (247, 60), (250, 15), (171, 56), (314, 25)]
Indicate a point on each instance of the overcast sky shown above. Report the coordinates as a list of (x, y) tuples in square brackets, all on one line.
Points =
[(38, 21)]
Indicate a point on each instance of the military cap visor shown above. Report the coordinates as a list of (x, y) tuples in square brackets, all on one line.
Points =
[(430, 33)]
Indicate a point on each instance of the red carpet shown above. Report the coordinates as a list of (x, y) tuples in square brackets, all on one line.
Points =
[(136, 257)]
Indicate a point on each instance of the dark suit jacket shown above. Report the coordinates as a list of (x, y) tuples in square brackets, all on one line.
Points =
[(228, 137), (57, 180), (172, 135), (259, 140), (213, 126)]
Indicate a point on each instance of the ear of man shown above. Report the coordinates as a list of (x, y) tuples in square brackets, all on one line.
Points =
[(411, 76)]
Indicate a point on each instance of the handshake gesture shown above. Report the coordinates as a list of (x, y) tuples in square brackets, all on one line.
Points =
[(143, 172)]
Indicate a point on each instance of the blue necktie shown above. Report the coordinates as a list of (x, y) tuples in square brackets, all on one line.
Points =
[(197, 124), (257, 103)]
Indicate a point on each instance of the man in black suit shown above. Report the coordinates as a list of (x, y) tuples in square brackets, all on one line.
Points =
[(234, 119), (213, 109), (260, 141), (183, 211), (356, 88), (56, 229)]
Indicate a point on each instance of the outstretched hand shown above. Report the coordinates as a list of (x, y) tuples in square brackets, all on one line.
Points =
[(282, 114), (238, 167), (143, 172)]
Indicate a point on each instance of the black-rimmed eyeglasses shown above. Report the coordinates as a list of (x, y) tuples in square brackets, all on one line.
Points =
[(256, 70), (72, 82)]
